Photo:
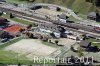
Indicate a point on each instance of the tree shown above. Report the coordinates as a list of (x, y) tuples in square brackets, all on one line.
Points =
[(52, 34), (30, 65), (28, 0), (80, 54), (19, 64), (94, 3), (56, 41), (84, 38), (1, 13), (34, 24), (72, 48), (11, 15), (29, 26), (21, 30), (50, 40), (72, 59), (31, 0)]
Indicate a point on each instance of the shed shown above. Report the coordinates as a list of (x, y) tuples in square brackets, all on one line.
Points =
[(63, 16), (54, 8), (85, 44), (92, 16), (97, 29)]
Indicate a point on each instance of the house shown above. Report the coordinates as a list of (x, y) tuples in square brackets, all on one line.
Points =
[(92, 16), (54, 8), (14, 29), (4, 34), (97, 29), (63, 18), (53, 30), (49, 27), (85, 44), (3, 20)]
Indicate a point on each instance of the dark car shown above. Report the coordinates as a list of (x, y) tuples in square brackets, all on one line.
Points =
[(5, 40)]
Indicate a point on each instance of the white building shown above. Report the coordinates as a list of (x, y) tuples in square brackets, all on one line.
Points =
[(63, 18), (49, 28)]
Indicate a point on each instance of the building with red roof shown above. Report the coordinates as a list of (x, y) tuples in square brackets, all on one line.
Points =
[(14, 29), (97, 29)]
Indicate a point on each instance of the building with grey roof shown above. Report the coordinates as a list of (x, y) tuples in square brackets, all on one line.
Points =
[(85, 44), (49, 26), (63, 16), (92, 16), (4, 34)]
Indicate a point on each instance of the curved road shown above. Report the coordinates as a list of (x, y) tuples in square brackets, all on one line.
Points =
[(86, 22)]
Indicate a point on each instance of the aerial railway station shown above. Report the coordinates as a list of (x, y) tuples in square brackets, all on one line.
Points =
[(46, 31)]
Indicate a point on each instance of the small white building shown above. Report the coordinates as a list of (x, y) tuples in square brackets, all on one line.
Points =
[(52, 8), (57, 35), (63, 18)]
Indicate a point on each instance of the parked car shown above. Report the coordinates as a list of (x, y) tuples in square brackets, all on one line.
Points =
[(5, 40)]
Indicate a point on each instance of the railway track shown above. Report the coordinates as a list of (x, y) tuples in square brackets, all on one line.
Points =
[(72, 26)]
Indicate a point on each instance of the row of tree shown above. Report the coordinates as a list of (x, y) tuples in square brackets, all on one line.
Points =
[(94, 2), (28, 0)]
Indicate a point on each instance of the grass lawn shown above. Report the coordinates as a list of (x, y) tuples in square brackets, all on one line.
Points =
[(93, 40), (10, 42), (17, 19), (82, 16), (73, 19), (50, 44), (98, 22), (96, 44), (8, 57), (22, 21), (16, 1)]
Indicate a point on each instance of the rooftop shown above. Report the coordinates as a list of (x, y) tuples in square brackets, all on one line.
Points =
[(84, 44), (2, 20), (49, 26), (13, 29)]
